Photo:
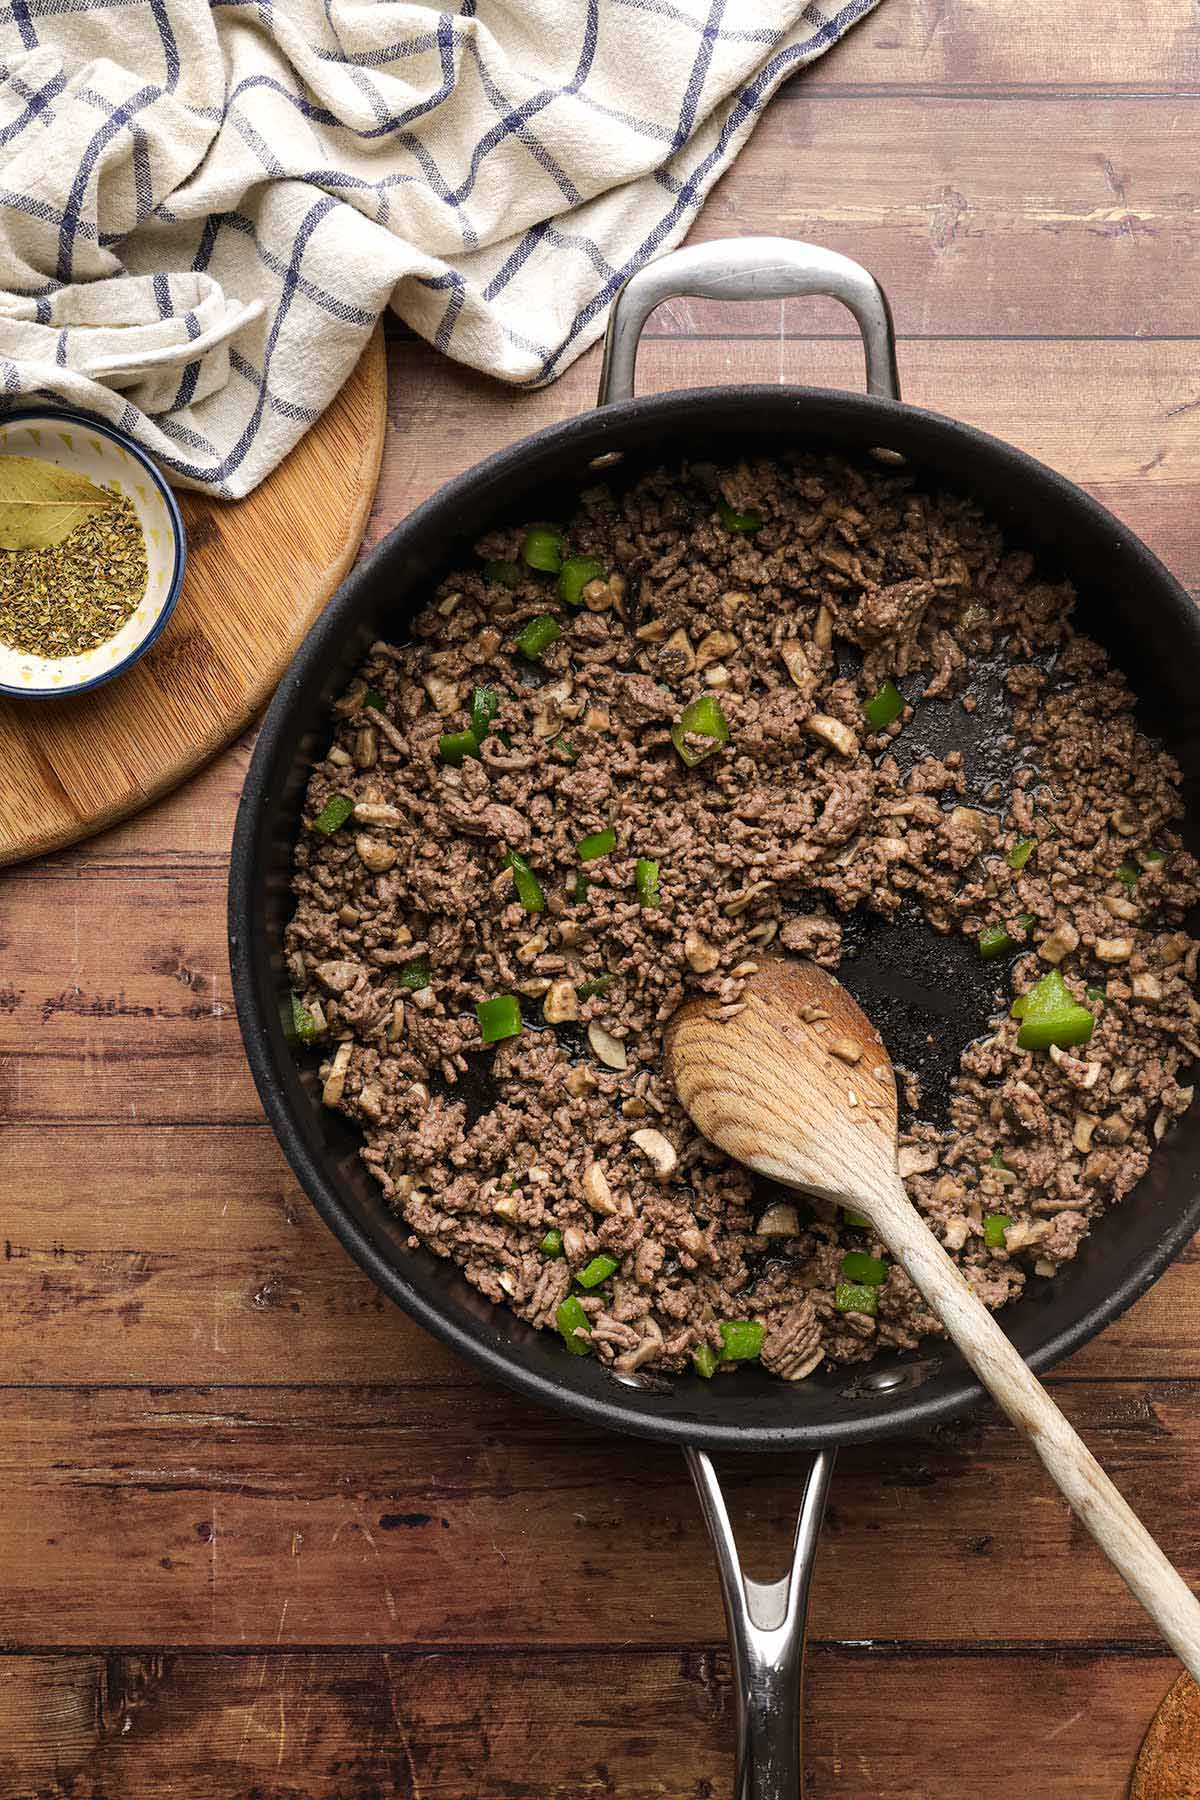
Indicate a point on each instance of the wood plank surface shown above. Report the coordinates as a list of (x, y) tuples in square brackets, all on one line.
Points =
[(1090, 196), (993, 48), (451, 1513), (361, 1725), (262, 1539)]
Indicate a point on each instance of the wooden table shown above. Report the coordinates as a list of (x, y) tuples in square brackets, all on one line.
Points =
[(260, 1538)]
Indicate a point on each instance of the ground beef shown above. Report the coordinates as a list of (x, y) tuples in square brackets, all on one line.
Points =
[(408, 913)]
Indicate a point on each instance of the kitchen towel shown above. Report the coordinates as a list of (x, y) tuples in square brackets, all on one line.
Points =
[(204, 208)]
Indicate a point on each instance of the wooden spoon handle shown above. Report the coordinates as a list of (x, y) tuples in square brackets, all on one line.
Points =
[(1071, 1465)]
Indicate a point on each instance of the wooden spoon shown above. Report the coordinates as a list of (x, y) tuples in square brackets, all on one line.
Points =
[(798, 1086)]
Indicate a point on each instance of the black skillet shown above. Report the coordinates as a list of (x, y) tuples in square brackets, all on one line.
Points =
[(914, 986)]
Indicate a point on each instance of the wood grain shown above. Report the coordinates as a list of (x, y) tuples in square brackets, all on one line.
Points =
[(361, 1725), (258, 573), (1086, 195), (997, 48), (448, 1512)]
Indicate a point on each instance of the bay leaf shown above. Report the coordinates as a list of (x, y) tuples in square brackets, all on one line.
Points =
[(40, 503)]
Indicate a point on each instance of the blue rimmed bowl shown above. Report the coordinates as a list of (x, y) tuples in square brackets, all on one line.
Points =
[(93, 449)]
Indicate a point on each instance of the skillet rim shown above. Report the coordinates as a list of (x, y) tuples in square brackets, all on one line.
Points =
[(597, 431)]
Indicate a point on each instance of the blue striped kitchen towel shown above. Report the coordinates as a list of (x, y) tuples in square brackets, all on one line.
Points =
[(204, 208)]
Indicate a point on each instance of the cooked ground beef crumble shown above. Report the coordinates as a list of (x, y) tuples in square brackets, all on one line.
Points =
[(785, 837)]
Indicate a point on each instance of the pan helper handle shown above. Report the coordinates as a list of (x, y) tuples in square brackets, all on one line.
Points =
[(752, 268), (766, 1622)]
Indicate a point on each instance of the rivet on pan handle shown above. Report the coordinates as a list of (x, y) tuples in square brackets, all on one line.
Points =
[(766, 1622), (752, 268)]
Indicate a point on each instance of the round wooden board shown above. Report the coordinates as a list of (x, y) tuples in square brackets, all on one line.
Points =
[(1168, 1764), (259, 571)]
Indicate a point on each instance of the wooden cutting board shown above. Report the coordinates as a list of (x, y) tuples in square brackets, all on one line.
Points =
[(259, 570)]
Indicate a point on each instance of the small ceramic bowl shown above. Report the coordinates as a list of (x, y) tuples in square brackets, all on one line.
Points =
[(85, 445)]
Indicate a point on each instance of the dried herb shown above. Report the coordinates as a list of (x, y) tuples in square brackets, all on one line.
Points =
[(41, 503), (65, 599)]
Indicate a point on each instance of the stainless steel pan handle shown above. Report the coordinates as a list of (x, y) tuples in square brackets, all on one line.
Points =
[(766, 1622), (752, 268)]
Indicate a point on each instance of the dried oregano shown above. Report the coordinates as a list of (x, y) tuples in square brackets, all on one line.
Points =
[(75, 594)]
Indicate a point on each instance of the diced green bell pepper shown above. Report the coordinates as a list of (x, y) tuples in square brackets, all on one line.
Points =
[(995, 940), (336, 810), (529, 888), (574, 576), (454, 745), (1050, 1014), (598, 1270), (485, 704), (702, 718), (645, 879), (303, 1023), (742, 1338), (499, 1018), (869, 1271), (537, 636), (733, 520), (884, 707), (541, 548), (599, 843), (571, 1318), (855, 1296)]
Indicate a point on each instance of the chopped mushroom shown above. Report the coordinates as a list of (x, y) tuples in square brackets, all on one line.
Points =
[(1062, 940), (659, 1150), (1114, 950), (1083, 1130), (831, 731), (679, 645), (846, 1049), (597, 1192), (714, 646), (374, 855), (338, 977), (1147, 988), (375, 812), (701, 955), (366, 747), (916, 1159), (443, 693), (561, 1003), (335, 1078), (800, 670), (652, 632), (779, 1221), (1119, 907)]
